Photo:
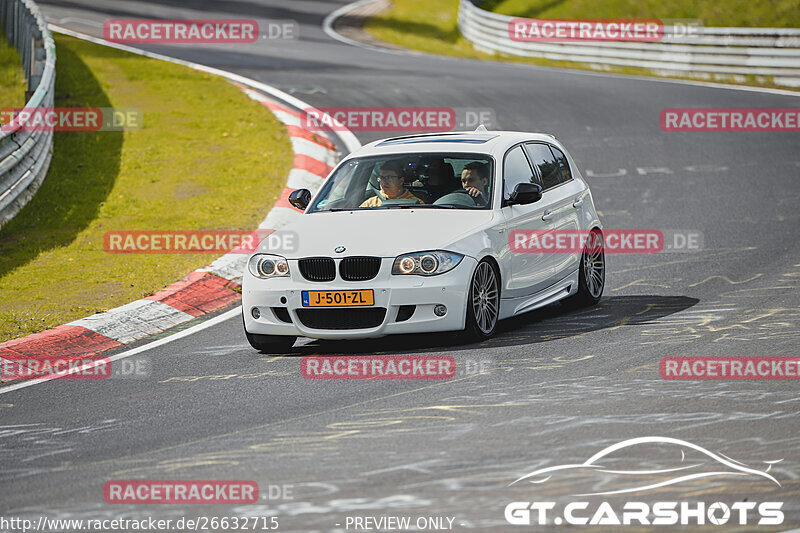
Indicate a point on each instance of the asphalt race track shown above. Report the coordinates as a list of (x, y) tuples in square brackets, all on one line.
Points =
[(553, 387)]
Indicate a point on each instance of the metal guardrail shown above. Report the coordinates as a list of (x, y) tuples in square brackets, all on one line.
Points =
[(25, 155), (729, 51)]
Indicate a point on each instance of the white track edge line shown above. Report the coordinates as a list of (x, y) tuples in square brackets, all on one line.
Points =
[(133, 351), (347, 137), (330, 20)]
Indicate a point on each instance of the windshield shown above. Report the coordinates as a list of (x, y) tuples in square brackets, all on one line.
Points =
[(429, 180)]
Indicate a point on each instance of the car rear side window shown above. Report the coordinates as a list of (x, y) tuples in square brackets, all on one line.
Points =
[(545, 161), (563, 165), (516, 169)]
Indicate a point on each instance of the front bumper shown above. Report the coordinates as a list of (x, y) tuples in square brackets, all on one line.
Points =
[(390, 292)]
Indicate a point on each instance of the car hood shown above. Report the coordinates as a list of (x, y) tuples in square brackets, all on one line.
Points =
[(381, 232)]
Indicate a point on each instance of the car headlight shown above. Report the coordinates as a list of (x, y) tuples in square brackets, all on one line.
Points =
[(425, 263), (268, 266)]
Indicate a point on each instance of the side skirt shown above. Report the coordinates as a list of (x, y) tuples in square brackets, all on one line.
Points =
[(514, 306)]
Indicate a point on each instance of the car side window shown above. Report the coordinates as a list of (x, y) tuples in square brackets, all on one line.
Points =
[(545, 161), (563, 165), (516, 169)]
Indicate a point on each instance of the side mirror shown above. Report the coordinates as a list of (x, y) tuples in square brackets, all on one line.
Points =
[(525, 193), (300, 198)]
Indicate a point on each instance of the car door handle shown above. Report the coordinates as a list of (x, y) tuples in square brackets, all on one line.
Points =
[(577, 203), (547, 215)]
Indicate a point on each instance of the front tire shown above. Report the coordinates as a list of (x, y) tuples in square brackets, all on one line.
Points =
[(483, 302), (591, 272), (271, 344)]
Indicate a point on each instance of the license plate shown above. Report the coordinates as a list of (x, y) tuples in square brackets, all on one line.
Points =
[(337, 298)]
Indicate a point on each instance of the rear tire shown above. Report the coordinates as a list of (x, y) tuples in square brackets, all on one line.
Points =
[(591, 272), (483, 302)]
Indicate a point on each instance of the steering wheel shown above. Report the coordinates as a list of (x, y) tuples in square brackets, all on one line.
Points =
[(477, 199)]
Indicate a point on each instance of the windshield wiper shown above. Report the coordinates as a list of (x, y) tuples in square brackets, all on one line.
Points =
[(418, 206), (404, 206)]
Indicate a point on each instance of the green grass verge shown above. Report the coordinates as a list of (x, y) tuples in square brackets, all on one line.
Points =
[(12, 77), (207, 157), (432, 26), (745, 13)]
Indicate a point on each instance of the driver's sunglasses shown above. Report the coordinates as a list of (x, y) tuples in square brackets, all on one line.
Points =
[(388, 178)]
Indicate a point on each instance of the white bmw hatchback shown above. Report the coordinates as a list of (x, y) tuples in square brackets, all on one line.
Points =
[(411, 235)]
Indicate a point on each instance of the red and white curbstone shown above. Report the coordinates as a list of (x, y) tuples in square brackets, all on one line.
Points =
[(203, 291)]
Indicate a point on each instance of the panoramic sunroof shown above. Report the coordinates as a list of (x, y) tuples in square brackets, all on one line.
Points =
[(467, 139)]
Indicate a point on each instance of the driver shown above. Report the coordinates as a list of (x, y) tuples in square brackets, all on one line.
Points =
[(391, 182), (475, 180)]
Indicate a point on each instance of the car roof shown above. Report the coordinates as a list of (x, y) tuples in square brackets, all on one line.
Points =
[(459, 141)]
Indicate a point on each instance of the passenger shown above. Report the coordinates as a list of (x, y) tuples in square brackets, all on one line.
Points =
[(475, 180), (391, 182), (441, 179)]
